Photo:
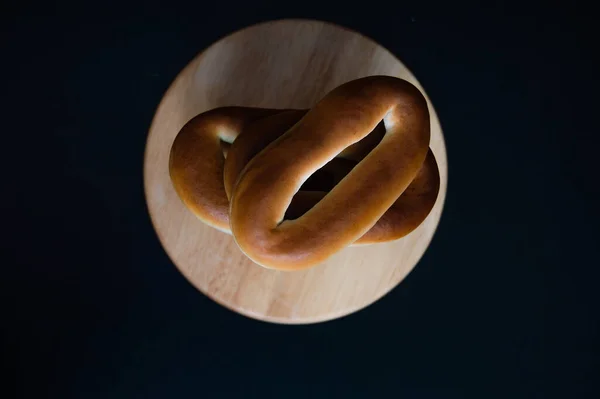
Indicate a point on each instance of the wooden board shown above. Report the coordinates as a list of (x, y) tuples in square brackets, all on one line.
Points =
[(281, 64)]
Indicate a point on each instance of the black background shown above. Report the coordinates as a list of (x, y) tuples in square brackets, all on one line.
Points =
[(503, 304)]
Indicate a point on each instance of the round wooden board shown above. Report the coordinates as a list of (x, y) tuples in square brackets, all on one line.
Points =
[(280, 64)]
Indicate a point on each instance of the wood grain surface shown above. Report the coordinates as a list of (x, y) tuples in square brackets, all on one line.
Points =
[(280, 64)]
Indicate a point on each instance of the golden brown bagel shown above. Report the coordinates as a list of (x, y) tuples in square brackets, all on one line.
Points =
[(269, 181), (359, 171)]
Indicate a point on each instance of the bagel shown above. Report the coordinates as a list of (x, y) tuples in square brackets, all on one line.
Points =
[(294, 187)]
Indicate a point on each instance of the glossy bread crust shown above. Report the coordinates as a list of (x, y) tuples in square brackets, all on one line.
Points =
[(370, 181)]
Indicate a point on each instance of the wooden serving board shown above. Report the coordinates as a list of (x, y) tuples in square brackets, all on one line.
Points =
[(281, 64)]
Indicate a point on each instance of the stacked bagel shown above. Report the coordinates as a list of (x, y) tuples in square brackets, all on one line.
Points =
[(294, 187)]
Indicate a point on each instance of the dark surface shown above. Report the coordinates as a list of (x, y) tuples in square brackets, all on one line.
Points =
[(504, 303)]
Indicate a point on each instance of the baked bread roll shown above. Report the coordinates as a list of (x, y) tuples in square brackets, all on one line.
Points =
[(294, 187)]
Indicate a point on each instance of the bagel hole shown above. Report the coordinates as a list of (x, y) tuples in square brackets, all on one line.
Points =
[(329, 175), (225, 146)]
